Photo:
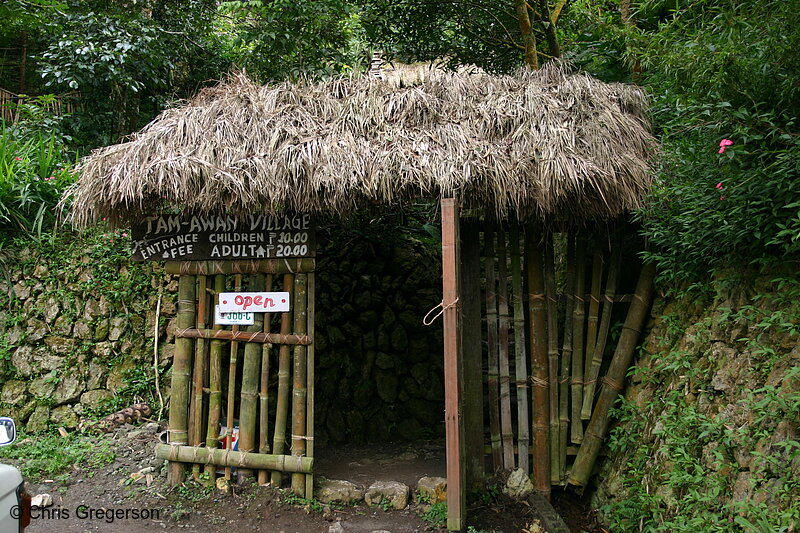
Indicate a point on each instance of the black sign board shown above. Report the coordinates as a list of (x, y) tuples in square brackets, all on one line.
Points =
[(222, 237)]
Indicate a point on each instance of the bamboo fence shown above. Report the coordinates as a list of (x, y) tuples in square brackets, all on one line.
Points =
[(560, 343), (214, 387)]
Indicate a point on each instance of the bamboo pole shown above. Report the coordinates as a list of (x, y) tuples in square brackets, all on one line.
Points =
[(576, 426), (243, 336), (591, 322), (615, 378), (602, 336), (250, 266), (534, 263), (217, 457), (251, 370), (214, 386), (506, 431), (232, 384), (179, 390), (299, 384), (199, 370), (453, 404), (310, 384), (263, 395), (491, 336), (520, 364), (282, 405), (551, 307), (566, 357)]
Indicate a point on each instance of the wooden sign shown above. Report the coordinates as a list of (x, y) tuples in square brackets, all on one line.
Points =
[(233, 319), (220, 237), (254, 302)]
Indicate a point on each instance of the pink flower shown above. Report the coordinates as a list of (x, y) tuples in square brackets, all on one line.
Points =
[(720, 186), (724, 143), (18, 159), (124, 234), (721, 197)]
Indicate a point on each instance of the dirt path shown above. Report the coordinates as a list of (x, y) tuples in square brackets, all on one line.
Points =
[(110, 499)]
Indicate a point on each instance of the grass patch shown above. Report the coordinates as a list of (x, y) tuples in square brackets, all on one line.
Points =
[(51, 456)]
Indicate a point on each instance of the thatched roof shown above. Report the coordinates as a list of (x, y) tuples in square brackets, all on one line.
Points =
[(546, 143)]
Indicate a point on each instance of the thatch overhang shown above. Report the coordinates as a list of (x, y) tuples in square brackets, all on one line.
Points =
[(547, 144)]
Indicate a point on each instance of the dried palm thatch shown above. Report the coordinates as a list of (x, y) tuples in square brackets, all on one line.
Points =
[(540, 144)]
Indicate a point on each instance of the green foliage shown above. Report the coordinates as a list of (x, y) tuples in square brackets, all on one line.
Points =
[(34, 171), (436, 515), (722, 70), (682, 458), (276, 39), (50, 455)]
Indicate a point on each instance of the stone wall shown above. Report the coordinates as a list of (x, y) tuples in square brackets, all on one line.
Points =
[(78, 321), (709, 430)]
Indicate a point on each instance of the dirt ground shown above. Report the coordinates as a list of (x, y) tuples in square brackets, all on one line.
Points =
[(131, 495)]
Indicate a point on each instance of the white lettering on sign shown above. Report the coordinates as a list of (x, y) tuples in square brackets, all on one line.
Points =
[(233, 319), (254, 302)]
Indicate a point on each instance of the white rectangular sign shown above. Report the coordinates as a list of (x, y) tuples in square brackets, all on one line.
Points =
[(232, 319), (254, 302)]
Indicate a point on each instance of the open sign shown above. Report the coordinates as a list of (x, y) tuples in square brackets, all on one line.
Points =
[(254, 302)]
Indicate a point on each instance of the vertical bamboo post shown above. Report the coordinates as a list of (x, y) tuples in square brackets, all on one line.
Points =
[(566, 356), (506, 431), (310, 382), (181, 365), (551, 304), (282, 405), (452, 367), (491, 337), (534, 263), (605, 324), (299, 381), (520, 364), (591, 326), (251, 370), (199, 371), (615, 378), (232, 384), (472, 351), (263, 394), (215, 385), (578, 325)]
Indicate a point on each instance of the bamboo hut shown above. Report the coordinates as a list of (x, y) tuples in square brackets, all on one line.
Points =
[(538, 156)]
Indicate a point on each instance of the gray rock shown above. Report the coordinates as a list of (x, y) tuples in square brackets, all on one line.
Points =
[(431, 490), (117, 328), (387, 387), (61, 345), (21, 290), (337, 490), (62, 326), (394, 492), (336, 527), (518, 485), (38, 420), (37, 330), (83, 330), (63, 415), (95, 398), (43, 386), (101, 330), (68, 389), (14, 392)]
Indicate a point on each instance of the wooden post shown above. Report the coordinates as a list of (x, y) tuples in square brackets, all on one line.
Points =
[(232, 385), (472, 361), (181, 371), (520, 362), (551, 305), (615, 378), (198, 377), (491, 338), (214, 385), (578, 324), (251, 370), (299, 381), (282, 404), (310, 384), (263, 394), (452, 366), (506, 431), (534, 266)]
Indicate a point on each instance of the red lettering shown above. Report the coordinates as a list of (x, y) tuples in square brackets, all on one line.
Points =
[(257, 300), (268, 302), (238, 300)]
